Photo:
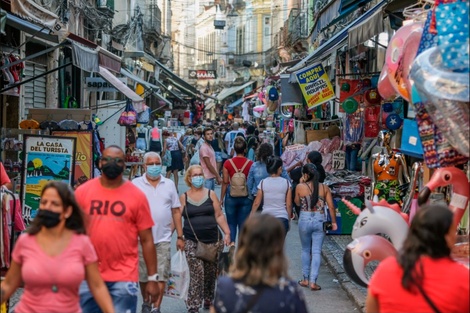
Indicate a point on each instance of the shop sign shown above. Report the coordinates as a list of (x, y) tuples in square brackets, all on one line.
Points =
[(83, 156), (99, 84), (315, 85), (202, 74), (46, 158)]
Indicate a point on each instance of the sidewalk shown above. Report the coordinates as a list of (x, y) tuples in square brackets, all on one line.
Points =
[(333, 250)]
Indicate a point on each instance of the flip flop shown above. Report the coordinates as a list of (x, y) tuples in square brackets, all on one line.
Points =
[(302, 284), (315, 287)]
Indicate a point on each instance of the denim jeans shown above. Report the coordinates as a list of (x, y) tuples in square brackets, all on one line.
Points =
[(123, 293), (351, 157), (237, 211), (311, 238), (209, 183), (285, 223)]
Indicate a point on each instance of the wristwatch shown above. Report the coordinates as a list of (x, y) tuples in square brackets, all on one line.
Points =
[(180, 237), (153, 277)]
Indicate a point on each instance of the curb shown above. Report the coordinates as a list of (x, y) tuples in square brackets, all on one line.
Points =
[(355, 293)]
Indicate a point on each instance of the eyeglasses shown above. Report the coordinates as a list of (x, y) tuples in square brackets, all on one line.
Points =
[(154, 163), (197, 175), (110, 159)]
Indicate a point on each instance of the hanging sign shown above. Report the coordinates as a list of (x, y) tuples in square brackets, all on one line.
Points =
[(315, 85), (83, 156), (339, 160), (45, 158)]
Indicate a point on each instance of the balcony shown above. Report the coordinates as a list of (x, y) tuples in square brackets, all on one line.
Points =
[(106, 7), (295, 27), (153, 19)]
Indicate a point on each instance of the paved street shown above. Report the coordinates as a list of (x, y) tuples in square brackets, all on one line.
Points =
[(332, 298)]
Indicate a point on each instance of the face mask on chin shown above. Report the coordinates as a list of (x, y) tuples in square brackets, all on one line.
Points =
[(112, 170)]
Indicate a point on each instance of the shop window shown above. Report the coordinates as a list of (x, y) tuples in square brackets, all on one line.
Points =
[(35, 90)]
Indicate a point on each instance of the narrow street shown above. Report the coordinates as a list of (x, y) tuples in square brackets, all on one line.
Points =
[(332, 298)]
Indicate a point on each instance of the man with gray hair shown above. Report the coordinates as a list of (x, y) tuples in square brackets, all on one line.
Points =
[(165, 210)]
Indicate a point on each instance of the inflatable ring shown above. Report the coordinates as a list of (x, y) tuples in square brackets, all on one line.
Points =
[(446, 94)]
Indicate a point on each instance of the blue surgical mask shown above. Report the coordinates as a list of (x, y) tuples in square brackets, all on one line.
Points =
[(197, 181), (153, 171)]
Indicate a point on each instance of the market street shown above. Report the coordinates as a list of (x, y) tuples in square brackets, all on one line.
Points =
[(331, 298)]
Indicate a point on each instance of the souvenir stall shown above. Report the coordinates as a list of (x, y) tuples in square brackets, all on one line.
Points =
[(421, 153)]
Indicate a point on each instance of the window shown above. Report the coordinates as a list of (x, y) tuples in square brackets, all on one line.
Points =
[(35, 97)]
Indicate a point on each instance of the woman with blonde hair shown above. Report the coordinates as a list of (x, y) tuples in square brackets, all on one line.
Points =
[(202, 216), (258, 280)]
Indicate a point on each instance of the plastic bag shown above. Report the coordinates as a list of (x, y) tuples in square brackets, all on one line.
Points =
[(178, 283), (167, 159), (128, 116)]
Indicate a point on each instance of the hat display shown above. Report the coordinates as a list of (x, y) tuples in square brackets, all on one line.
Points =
[(346, 87), (393, 121), (350, 105), (387, 107), (372, 97)]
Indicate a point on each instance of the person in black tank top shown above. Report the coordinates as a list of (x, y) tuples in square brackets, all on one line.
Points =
[(203, 217)]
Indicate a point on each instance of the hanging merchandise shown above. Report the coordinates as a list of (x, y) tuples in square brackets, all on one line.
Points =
[(299, 133), (372, 115), (128, 116), (389, 108), (354, 127), (395, 55), (29, 124), (144, 116), (446, 96), (350, 105), (410, 140), (372, 97), (385, 87)]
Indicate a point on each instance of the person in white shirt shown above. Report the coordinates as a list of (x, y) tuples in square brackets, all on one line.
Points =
[(230, 138), (165, 210)]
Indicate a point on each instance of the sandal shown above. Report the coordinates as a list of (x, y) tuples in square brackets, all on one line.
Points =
[(303, 283), (315, 287)]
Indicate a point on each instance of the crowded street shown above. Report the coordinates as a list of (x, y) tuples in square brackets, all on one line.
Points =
[(234, 156)]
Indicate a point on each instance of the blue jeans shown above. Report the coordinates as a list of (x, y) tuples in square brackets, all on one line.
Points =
[(123, 293), (209, 183), (311, 238), (351, 156), (285, 223), (237, 211)]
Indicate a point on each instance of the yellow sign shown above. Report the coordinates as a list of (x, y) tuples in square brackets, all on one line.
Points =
[(315, 85)]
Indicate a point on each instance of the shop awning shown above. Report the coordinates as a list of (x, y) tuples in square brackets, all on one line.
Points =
[(337, 39), (119, 85), (38, 31), (209, 104), (370, 27), (147, 85), (328, 13), (235, 103), (231, 90)]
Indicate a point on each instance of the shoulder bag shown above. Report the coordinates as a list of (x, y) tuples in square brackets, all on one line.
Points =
[(204, 251), (428, 300)]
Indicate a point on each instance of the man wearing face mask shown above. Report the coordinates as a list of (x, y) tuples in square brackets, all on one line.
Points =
[(165, 209), (118, 214)]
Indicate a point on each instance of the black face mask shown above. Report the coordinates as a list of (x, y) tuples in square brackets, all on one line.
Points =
[(48, 218), (112, 170)]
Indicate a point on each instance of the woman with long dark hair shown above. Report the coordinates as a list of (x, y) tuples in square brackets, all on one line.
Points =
[(54, 257), (423, 277), (258, 280), (314, 199), (275, 193)]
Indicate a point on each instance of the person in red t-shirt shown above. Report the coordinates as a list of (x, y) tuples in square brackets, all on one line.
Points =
[(4, 179), (237, 209), (119, 214), (423, 277)]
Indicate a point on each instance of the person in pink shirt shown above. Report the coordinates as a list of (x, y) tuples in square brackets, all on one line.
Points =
[(54, 257), (4, 179), (208, 161)]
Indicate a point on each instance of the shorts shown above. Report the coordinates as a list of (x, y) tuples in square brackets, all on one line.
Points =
[(155, 146), (218, 156), (163, 262)]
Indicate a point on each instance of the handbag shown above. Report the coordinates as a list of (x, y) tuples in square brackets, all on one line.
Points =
[(204, 251), (128, 116), (428, 300), (144, 116)]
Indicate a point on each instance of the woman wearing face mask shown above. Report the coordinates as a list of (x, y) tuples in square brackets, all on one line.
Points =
[(202, 218), (54, 257)]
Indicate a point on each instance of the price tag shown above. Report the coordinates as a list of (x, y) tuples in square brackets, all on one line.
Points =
[(339, 159)]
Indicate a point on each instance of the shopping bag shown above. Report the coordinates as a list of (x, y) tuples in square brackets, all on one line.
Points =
[(167, 159), (129, 116), (195, 159), (178, 283)]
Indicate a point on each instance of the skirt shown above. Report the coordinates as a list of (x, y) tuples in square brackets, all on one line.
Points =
[(176, 161), (155, 146)]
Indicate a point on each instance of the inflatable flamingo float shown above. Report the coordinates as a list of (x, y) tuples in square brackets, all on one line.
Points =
[(384, 218)]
